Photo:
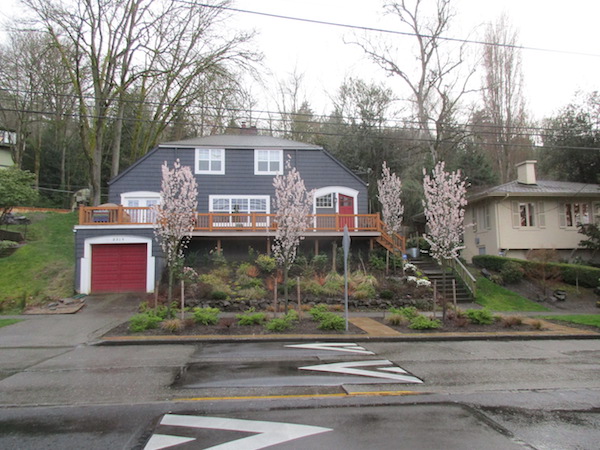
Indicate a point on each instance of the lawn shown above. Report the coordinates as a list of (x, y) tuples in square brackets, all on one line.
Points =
[(497, 298), (580, 319), (44, 267), (6, 322)]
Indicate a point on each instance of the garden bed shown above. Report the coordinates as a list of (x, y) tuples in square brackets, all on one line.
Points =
[(452, 326)]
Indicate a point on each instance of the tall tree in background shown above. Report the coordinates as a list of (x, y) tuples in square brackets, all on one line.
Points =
[(571, 140), (164, 48), (175, 216), (504, 118), (293, 204), (437, 85)]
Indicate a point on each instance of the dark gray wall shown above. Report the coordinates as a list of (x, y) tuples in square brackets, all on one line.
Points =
[(316, 168)]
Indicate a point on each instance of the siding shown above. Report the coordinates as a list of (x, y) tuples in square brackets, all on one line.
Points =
[(316, 168)]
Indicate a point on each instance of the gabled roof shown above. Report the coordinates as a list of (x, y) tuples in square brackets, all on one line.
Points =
[(242, 141), (542, 188)]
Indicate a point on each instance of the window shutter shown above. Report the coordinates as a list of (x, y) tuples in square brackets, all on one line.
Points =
[(562, 218), (516, 219), (541, 215)]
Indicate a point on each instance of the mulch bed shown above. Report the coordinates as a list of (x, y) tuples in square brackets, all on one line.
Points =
[(229, 327), (452, 327)]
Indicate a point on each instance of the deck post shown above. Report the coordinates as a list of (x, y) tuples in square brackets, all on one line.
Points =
[(219, 249), (316, 247)]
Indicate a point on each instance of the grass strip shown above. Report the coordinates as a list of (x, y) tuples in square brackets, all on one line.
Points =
[(498, 298), (7, 322), (580, 319)]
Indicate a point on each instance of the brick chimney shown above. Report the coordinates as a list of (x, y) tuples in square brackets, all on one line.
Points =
[(526, 172), (245, 131)]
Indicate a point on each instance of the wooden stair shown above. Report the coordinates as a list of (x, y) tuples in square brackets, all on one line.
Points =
[(433, 271)]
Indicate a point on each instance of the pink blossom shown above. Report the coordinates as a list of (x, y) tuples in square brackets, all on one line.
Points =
[(389, 189)]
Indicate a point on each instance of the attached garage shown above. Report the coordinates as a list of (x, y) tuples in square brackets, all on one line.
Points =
[(119, 268), (117, 263)]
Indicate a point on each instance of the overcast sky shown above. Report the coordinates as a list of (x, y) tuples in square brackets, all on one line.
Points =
[(319, 52)]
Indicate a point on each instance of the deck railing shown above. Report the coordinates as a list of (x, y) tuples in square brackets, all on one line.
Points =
[(218, 222)]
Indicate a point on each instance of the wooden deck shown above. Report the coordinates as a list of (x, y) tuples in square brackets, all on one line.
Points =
[(219, 223)]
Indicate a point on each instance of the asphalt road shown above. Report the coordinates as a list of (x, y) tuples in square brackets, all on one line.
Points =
[(476, 394)]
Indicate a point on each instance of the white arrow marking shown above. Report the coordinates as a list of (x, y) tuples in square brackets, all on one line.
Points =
[(270, 433), (335, 346), (158, 441), (349, 369)]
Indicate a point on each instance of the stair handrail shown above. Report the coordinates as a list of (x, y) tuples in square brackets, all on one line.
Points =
[(396, 241), (461, 271)]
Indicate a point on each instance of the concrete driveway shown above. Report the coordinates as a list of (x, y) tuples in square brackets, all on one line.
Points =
[(100, 314)]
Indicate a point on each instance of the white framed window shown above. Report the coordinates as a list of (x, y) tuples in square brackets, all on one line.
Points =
[(140, 199), (243, 204), (526, 214), (210, 161), (596, 213), (573, 214), (474, 219), (324, 201), (487, 223), (268, 162)]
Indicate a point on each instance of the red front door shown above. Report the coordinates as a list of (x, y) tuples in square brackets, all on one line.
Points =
[(346, 207)]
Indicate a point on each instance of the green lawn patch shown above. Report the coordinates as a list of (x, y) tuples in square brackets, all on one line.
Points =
[(498, 298), (6, 322), (580, 319), (44, 267)]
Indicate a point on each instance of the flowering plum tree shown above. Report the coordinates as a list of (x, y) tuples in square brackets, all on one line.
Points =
[(444, 207), (175, 215), (389, 188), (293, 203)]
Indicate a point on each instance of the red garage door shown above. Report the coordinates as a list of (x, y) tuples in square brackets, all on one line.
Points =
[(119, 268)]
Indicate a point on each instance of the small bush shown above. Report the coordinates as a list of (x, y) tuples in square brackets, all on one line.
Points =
[(206, 316), (330, 321), (252, 293), (278, 324), (512, 272), (144, 321), (536, 324), (318, 311), (424, 323), (320, 263), (410, 312), (364, 291), (8, 244), (172, 325), (511, 321), (251, 317), (292, 316), (397, 320), (480, 316), (266, 263), (386, 294)]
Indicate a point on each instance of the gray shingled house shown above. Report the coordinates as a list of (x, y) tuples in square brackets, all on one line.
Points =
[(115, 246)]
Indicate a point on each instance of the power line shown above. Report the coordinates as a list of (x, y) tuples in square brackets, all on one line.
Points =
[(396, 32)]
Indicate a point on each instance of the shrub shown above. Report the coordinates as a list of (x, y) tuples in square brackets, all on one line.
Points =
[(490, 262), (511, 272), (424, 323), (251, 317), (318, 311), (312, 287), (386, 294), (331, 321), (511, 321), (397, 320), (292, 316), (480, 316), (172, 325), (410, 312), (144, 321), (252, 293), (219, 295), (364, 291), (206, 316), (8, 244), (266, 263), (278, 324), (320, 263), (376, 262), (536, 324)]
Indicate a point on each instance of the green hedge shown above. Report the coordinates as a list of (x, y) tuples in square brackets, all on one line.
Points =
[(588, 276)]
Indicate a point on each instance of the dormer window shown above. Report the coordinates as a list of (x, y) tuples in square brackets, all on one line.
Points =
[(268, 162), (210, 161)]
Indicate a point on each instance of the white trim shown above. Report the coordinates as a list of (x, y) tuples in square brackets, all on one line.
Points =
[(349, 192), (197, 170), (139, 195), (243, 197), (268, 172), (85, 263)]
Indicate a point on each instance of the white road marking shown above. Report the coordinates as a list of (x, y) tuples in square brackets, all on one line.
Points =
[(350, 368), (159, 441), (269, 433), (335, 346)]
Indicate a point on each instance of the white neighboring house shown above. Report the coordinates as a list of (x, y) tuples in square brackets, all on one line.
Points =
[(526, 214), (7, 141)]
